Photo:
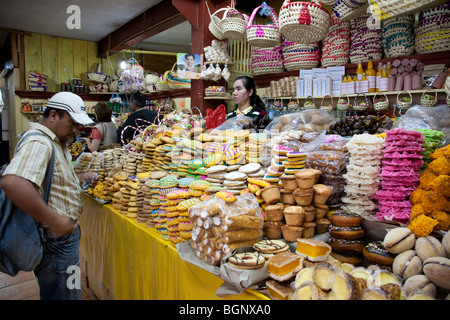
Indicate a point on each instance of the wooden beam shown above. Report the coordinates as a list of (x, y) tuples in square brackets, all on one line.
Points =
[(158, 18)]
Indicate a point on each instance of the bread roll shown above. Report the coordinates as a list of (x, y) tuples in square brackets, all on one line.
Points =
[(419, 282), (437, 269), (399, 239), (407, 264), (446, 243), (427, 247)]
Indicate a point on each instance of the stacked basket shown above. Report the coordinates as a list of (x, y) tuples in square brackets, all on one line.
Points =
[(347, 10), (433, 30), (336, 45), (303, 22), (267, 60), (385, 9), (298, 56), (365, 43), (398, 36), (263, 35)]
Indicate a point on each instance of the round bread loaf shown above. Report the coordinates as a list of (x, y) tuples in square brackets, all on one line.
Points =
[(407, 264), (417, 283), (437, 269), (427, 247), (399, 239)]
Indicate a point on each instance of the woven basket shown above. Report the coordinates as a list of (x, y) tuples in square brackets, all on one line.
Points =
[(234, 24), (383, 9), (293, 105), (343, 106), (163, 85), (215, 25), (263, 35), (303, 22), (309, 106), (382, 104), (328, 107), (403, 105), (347, 10), (428, 103), (361, 106)]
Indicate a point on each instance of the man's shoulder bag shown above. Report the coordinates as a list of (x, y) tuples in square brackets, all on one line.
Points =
[(20, 244)]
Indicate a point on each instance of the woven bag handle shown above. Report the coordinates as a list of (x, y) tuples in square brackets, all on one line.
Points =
[(367, 101), (273, 16), (331, 98)]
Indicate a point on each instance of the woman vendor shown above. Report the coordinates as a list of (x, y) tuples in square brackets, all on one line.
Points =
[(247, 102)]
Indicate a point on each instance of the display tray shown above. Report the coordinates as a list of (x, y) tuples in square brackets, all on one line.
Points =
[(101, 201)]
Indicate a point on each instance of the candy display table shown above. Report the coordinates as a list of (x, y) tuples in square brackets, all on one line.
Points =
[(124, 259)]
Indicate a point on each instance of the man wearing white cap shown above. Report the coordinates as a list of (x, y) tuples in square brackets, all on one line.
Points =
[(23, 182)]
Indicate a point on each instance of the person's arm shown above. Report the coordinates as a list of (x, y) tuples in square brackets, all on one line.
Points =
[(92, 144), (24, 195)]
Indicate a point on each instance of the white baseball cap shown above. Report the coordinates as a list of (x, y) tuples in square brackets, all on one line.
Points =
[(73, 104)]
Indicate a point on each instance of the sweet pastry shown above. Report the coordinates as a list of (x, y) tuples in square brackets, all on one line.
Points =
[(347, 233), (287, 197), (268, 248), (446, 243), (323, 274), (407, 264), (437, 269), (310, 213), (302, 276), (284, 265), (381, 277), (259, 182), (399, 239), (321, 193), (226, 195), (322, 225), (291, 233), (305, 178), (303, 197), (271, 194), (354, 247), (309, 290), (308, 229), (347, 258), (418, 283), (321, 210), (427, 247), (272, 229), (246, 260), (346, 287), (375, 253), (294, 215), (313, 250), (289, 182), (345, 219), (274, 212), (279, 290), (386, 292)]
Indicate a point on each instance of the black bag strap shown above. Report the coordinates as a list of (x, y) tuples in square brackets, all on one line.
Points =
[(50, 166)]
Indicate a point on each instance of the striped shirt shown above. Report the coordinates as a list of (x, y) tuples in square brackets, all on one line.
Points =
[(30, 162)]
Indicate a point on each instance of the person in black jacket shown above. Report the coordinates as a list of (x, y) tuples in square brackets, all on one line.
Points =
[(139, 118), (247, 102)]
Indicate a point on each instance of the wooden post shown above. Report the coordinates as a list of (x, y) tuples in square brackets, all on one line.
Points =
[(197, 14)]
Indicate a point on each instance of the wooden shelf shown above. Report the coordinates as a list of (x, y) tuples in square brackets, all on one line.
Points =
[(370, 94), (102, 96), (432, 58)]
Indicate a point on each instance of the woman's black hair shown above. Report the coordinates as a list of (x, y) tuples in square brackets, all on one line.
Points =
[(249, 84), (138, 98)]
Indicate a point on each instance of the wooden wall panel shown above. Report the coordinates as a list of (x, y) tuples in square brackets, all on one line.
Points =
[(49, 61), (65, 60), (33, 54), (80, 59)]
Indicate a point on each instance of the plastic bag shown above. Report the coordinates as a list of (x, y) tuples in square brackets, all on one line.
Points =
[(216, 117), (419, 117), (219, 227), (235, 123), (87, 161), (314, 120)]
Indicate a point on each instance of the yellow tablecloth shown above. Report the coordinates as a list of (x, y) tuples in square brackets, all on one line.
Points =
[(127, 260)]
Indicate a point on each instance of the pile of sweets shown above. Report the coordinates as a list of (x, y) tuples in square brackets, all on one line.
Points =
[(430, 201), (222, 223), (363, 173), (400, 171), (433, 139)]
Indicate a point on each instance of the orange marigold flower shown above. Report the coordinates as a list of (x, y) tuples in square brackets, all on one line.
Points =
[(426, 178), (422, 225), (442, 185), (440, 166), (434, 201), (416, 196), (443, 219), (417, 210)]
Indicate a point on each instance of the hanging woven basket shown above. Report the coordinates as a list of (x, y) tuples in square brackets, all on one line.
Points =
[(234, 24), (263, 35), (303, 22), (380, 105)]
